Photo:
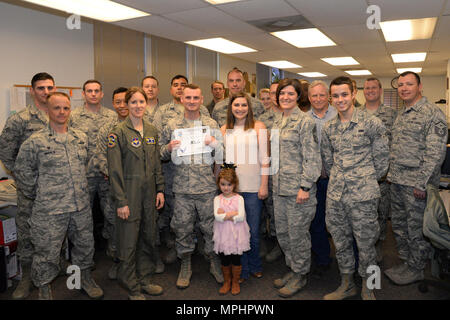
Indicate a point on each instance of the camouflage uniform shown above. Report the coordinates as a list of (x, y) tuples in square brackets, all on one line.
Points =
[(299, 166), (135, 175), (220, 110), (162, 116), (19, 127), (90, 123), (387, 115), (150, 115), (51, 169), (194, 186), (355, 156), (419, 138)]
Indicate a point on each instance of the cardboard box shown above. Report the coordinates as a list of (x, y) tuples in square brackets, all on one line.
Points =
[(9, 267), (8, 230)]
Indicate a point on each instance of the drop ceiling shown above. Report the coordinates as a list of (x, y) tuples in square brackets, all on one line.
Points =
[(343, 21)]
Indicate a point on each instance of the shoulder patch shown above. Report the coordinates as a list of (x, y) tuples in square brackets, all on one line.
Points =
[(135, 142), (112, 140)]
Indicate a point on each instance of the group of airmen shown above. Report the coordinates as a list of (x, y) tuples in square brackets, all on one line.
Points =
[(360, 165)]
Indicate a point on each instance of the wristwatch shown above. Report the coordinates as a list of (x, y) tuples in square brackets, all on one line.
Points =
[(305, 189)]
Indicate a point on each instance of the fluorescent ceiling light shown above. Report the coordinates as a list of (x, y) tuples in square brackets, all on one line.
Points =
[(220, 1), (221, 45), (282, 64), (312, 74), (340, 61), (304, 38), (359, 72), (103, 10), (416, 70), (413, 29), (409, 57)]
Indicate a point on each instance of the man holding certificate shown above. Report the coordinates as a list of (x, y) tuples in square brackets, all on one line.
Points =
[(192, 141)]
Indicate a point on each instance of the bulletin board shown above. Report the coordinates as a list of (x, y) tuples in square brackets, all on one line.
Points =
[(20, 96)]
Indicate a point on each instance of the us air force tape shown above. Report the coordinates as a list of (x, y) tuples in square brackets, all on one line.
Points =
[(112, 139), (150, 140)]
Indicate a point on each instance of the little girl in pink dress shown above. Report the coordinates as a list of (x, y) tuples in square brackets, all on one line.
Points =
[(231, 231)]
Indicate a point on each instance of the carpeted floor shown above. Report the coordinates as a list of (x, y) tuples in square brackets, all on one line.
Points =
[(204, 287)]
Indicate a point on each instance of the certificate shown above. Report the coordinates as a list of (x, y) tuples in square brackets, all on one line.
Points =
[(192, 140)]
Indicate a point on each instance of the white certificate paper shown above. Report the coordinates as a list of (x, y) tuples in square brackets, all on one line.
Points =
[(192, 140)]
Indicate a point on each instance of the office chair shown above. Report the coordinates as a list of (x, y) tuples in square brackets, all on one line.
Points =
[(436, 228)]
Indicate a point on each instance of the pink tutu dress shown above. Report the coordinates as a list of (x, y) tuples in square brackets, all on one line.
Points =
[(230, 237)]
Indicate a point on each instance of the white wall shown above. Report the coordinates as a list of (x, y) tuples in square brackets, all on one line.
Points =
[(32, 42), (227, 62)]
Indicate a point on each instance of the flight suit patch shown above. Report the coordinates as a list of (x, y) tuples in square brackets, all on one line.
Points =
[(136, 142), (112, 139)]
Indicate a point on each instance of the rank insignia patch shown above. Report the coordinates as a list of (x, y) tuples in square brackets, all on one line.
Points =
[(112, 138), (440, 129), (150, 140), (135, 142)]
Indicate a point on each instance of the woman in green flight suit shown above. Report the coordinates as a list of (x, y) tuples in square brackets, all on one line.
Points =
[(137, 187)]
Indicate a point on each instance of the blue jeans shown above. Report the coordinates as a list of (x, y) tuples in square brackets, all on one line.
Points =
[(319, 236), (251, 262)]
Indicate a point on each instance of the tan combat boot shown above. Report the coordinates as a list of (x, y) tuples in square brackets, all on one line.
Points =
[(89, 286), (45, 292), (345, 290), (295, 283), (136, 295), (184, 276), (281, 282), (366, 293), (23, 288), (152, 289)]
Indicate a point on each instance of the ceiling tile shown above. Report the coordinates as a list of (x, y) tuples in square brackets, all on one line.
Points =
[(263, 41), (326, 52), (214, 21), (442, 28), (258, 9), (441, 45), (408, 46), (408, 9), (256, 56), (162, 27), (352, 34), (322, 13), (366, 49), (447, 9), (164, 6)]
